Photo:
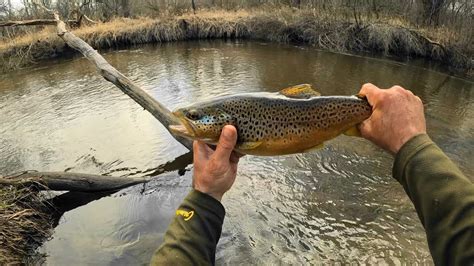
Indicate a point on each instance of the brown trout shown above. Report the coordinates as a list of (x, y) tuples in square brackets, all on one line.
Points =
[(294, 120)]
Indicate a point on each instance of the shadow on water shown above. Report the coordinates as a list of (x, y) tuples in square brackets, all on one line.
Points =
[(72, 200), (338, 204)]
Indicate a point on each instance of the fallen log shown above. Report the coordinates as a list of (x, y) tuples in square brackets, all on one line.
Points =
[(86, 182), (111, 74), (65, 181), (80, 182), (43, 22), (33, 22)]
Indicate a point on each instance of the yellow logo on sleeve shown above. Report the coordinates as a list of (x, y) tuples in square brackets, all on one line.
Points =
[(187, 215)]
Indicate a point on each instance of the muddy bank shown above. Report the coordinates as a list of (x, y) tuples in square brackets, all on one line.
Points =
[(389, 39)]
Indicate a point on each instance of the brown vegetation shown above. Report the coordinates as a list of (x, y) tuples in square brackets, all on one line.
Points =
[(389, 36), (25, 214)]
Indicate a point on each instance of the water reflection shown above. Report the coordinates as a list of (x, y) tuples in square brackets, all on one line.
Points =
[(336, 204)]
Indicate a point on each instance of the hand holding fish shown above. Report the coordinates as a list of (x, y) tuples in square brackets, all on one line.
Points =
[(215, 170), (397, 116)]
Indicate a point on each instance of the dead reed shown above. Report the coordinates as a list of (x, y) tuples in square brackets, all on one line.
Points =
[(24, 224), (391, 37)]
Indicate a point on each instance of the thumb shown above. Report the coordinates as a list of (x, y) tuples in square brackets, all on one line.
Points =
[(226, 144)]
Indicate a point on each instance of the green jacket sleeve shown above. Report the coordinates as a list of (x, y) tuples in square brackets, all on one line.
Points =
[(193, 234), (443, 198)]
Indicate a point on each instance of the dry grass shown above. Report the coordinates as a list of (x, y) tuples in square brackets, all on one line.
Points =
[(24, 224), (389, 35)]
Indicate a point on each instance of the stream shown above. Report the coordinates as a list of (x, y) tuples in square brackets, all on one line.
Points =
[(337, 204)]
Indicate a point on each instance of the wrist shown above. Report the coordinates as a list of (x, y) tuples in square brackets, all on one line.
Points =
[(215, 195), (405, 138)]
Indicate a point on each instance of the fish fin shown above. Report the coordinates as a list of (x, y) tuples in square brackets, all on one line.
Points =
[(249, 145), (302, 91), (317, 147), (360, 96), (353, 131)]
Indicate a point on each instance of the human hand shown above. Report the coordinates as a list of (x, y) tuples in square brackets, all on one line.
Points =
[(397, 116), (215, 170)]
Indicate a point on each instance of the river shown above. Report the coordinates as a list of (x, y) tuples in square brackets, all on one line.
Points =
[(337, 204)]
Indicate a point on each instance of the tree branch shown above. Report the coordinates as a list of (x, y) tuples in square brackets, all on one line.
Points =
[(88, 19), (71, 181), (80, 182), (111, 74), (33, 22), (88, 182)]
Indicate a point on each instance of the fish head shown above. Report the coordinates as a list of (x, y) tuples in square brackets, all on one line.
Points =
[(203, 123)]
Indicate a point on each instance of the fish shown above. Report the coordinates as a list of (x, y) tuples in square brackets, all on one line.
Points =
[(294, 120)]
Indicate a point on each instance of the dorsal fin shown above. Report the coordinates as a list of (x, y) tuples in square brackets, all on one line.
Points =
[(302, 91)]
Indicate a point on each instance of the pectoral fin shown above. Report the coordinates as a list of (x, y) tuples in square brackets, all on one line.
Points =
[(353, 131), (302, 91), (249, 145)]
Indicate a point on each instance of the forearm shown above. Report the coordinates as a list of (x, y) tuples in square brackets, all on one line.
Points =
[(443, 198), (194, 232)]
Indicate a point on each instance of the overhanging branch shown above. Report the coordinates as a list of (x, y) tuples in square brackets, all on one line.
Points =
[(111, 74), (88, 182)]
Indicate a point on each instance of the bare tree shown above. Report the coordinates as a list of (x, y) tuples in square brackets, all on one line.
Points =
[(193, 5), (125, 8), (431, 10), (4, 9)]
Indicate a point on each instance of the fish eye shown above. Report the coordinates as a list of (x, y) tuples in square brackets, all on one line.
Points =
[(193, 114)]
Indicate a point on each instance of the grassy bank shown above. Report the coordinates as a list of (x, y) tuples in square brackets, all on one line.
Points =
[(387, 36), (24, 224)]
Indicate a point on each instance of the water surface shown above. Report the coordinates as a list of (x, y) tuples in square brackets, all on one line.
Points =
[(336, 204)]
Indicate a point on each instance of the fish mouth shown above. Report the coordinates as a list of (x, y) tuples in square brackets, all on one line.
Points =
[(185, 129)]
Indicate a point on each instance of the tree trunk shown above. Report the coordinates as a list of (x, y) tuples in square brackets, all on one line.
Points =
[(87, 182), (80, 182), (298, 4), (71, 181), (32, 22), (431, 10), (193, 5), (125, 4)]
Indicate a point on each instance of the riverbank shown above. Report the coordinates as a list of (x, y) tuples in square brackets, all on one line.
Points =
[(25, 224), (390, 36)]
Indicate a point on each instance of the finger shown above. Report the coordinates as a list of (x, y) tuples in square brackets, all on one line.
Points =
[(365, 128), (370, 91), (226, 144), (367, 89), (399, 89), (418, 99)]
